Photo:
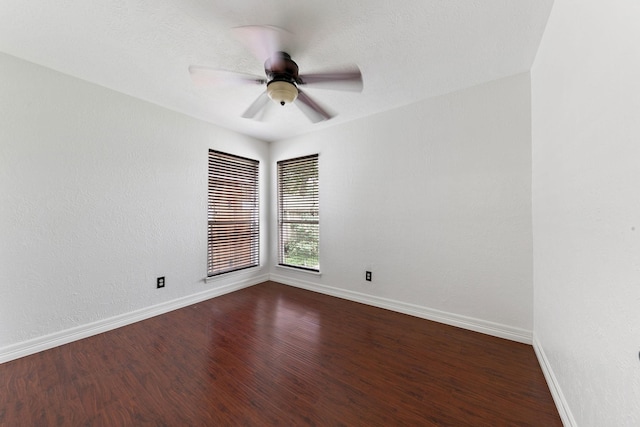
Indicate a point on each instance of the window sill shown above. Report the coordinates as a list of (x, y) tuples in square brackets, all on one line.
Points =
[(298, 270), (234, 274)]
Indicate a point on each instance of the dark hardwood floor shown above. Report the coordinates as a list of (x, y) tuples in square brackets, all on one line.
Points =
[(276, 355)]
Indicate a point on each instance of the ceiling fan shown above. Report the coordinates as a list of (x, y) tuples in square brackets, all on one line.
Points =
[(282, 78)]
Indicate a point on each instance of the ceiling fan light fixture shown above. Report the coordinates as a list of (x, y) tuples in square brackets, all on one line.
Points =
[(282, 92)]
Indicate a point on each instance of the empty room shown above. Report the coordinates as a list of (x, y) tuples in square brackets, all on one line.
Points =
[(320, 213)]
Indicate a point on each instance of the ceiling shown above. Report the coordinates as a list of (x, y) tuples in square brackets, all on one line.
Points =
[(407, 50)]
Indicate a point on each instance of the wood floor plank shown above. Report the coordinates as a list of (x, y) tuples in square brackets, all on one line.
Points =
[(276, 355)]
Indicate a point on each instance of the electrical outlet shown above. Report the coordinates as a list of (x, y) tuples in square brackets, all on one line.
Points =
[(367, 276), (160, 282)]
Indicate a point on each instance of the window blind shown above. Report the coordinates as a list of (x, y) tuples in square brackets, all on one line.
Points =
[(298, 213), (233, 236)]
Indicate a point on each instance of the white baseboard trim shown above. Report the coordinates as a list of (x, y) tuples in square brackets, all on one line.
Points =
[(56, 339), (470, 323), (556, 392)]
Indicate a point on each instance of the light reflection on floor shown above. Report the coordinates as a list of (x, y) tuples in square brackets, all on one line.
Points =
[(286, 319)]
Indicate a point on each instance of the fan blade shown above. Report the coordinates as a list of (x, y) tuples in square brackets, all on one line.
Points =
[(350, 80), (205, 76), (264, 40), (311, 108), (257, 105)]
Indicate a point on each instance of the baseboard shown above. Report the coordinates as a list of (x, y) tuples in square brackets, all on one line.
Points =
[(46, 342), (554, 386), (470, 323)]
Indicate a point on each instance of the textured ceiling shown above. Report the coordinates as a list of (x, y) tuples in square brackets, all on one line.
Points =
[(407, 50)]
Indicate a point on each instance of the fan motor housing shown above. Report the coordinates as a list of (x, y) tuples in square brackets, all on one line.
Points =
[(281, 67)]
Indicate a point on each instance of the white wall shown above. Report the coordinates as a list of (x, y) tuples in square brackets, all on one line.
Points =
[(586, 209), (100, 193), (435, 199)]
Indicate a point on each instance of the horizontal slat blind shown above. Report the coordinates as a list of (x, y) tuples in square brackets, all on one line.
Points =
[(298, 213), (233, 241)]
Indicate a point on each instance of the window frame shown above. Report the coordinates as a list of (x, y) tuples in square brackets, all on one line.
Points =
[(233, 213), (308, 164)]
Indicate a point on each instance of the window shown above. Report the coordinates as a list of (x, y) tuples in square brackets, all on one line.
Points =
[(298, 209), (233, 238)]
